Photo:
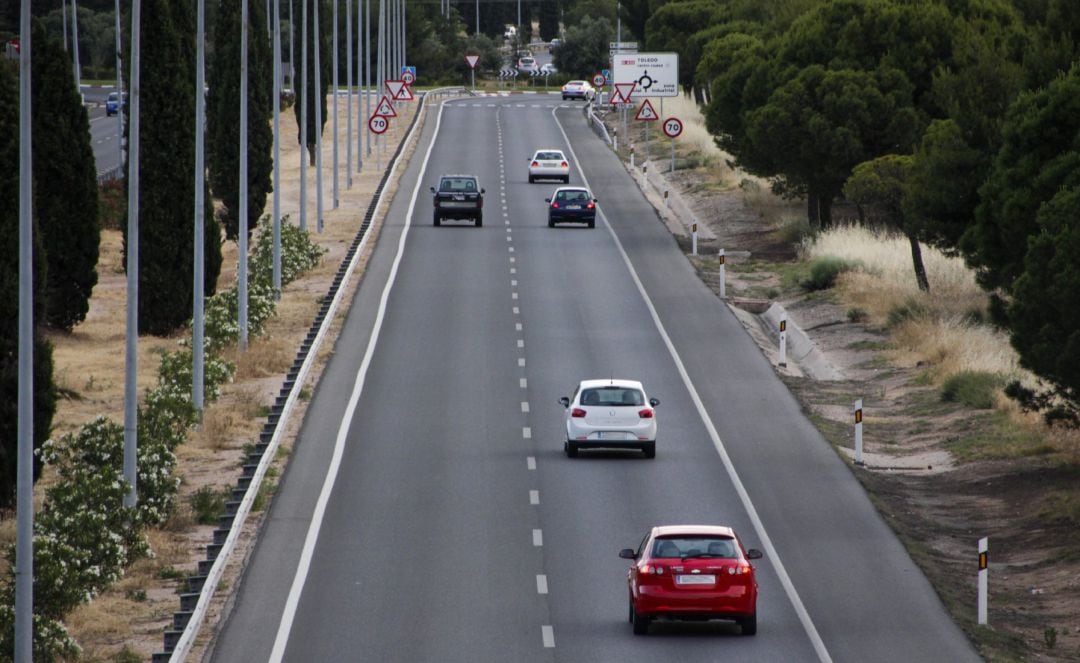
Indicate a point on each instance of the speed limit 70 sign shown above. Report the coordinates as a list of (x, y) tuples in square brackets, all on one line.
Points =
[(672, 127), (378, 124)]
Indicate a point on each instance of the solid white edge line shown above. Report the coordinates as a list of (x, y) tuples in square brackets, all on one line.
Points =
[(293, 600), (744, 497)]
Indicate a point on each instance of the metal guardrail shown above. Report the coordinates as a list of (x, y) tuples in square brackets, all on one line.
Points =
[(195, 603), (111, 174)]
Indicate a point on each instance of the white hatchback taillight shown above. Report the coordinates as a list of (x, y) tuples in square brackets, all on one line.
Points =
[(645, 413), (577, 413)]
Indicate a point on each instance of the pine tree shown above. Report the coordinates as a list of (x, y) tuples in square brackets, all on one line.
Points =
[(223, 113), (166, 171), (44, 389), (324, 66), (65, 185)]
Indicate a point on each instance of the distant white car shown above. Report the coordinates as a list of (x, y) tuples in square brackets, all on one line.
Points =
[(548, 69), (610, 414), (527, 65), (577, 90), (549, 164)]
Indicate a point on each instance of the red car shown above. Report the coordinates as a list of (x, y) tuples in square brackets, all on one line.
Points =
[(692, 573)]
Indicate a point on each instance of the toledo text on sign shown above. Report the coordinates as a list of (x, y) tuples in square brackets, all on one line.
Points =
[(654, 74)]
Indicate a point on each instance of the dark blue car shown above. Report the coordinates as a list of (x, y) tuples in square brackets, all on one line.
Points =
[(112, 103), (571, 204)]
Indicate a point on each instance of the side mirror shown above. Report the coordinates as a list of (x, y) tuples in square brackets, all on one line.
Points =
[(547, 200), (654, 402), (565, 401), (432, 189), (596, 200), (627, 553), (482, 191), (753, 553)]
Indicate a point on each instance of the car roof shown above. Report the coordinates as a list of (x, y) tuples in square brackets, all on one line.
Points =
[(454, 175), (608, 382), (548, 149), (572, 188), (693, 530)]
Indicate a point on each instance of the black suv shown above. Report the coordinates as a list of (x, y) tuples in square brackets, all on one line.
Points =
[(458, 197)]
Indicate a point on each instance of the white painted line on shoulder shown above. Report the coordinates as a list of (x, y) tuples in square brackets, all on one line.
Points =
[(524, 406), (538, 538), (530, 462), (534, 497), (729, 466), (521, 362), (526, 432), (548, 634), (541, 583)]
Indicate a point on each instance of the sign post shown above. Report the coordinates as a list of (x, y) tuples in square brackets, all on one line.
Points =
[(984, 562), (858, 432), (471, 60), (673, 126)]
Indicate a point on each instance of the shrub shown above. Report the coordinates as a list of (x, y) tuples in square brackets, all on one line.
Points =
[(973, 388), (911, 309), (823, 272), (856, 314), (794, 230), (208, 504)]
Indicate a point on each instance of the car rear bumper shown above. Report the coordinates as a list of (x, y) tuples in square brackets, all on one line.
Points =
[(731, 603), (572, 217)]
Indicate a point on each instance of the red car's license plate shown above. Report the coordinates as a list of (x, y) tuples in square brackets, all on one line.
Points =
[(695, 579)]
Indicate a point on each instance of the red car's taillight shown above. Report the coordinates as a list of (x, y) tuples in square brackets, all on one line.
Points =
[(651, 570), (645, 413), (577, 413)]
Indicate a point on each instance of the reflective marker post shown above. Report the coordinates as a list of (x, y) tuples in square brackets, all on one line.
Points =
[(858, 432), (783, 342), (723, 275), (984, 560), (693, 234)]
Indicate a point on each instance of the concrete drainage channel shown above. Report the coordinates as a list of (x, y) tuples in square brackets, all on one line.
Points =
[(201, 586)]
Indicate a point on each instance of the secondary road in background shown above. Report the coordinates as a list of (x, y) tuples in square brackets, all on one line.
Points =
[(457, 530)]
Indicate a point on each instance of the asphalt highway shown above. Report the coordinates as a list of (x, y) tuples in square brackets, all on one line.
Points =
[(455, 529)]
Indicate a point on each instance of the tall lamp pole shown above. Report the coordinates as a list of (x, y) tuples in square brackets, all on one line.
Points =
[(277, 150), (197, 320)]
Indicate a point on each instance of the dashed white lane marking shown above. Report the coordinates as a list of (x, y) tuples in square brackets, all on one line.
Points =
[(548, 634), (513, 295), (523, 383), (541, 583), (530, 462), (513, 282), (521, 362), (510, 248), (534, 497), (538, 538), (509, 239), (526, 432), (521, 343), (513, 259), (524, 406), (513, 270), (517, 311), (517, 326)]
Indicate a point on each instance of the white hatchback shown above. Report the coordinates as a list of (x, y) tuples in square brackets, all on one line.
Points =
[(549, 164), (610, 414)]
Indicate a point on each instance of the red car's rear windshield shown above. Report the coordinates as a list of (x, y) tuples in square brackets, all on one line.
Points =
[(695, 546)]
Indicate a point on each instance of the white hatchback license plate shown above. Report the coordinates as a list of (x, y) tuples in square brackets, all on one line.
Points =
[(610, 435), (695, 579)]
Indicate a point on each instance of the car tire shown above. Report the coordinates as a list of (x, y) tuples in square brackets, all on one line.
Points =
[(571, 449), (641, 624), (630, 613), (592, 224), (649, 449), (566, 179), (551, 223), (438, 219), (748, 624), (531, 179), (479, 220), (564, 97)]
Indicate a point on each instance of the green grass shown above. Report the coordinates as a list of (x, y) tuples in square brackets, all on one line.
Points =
[(1061, 507), (973, 388), (208, 504), (911, 309), (869, 345), (998, 439)]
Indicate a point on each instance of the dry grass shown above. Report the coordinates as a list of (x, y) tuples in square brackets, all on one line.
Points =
[(265, 356)]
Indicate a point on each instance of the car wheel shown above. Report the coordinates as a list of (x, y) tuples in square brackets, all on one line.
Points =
[(566, 179), (531, 179), (592, 224), (551, 223), (438, 219), (479, 220), (571, 449), (748, 624), (649, 448), (564, 97), (630, 616), (641, 624)]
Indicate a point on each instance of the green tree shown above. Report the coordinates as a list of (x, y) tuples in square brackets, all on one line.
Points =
[(65, 185), (584, 50), (669, 28), (223, 114), (166, 172), (44, 390), (325, 63), (882, 183), (548, 16), (1044, 315), (1040, 156)]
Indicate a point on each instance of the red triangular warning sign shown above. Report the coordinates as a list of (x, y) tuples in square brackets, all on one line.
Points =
[(395, 88), (646, 112), (623, 92), (385, 108), (404, 94)]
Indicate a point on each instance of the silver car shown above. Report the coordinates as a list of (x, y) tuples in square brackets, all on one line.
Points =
[(610, 414)]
